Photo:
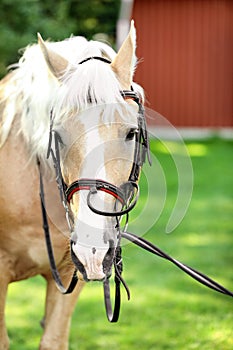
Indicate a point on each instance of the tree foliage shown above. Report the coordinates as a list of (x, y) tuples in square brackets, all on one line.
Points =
[(20, 20)]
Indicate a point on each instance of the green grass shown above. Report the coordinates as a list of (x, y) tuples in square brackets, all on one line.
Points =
[(167, 310)]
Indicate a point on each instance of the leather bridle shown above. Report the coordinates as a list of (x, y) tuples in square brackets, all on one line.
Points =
[(127, 195)]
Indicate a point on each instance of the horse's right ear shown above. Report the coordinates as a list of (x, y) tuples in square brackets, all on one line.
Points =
[(124, 62), (56, 63)]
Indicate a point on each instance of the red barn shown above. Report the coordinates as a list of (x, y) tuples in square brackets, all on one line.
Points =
[(186, 53)]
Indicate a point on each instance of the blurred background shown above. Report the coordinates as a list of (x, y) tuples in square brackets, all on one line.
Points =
[(185, 57), (20, 20), (185, 48)]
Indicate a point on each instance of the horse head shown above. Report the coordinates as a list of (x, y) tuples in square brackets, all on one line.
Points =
[(98, 132)]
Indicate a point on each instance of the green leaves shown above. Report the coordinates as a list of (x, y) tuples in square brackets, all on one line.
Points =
[(20, 20)]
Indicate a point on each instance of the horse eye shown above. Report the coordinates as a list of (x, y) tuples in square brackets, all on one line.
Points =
[(131, 134)]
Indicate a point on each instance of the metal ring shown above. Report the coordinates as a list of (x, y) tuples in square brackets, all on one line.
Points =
[(114, 213)]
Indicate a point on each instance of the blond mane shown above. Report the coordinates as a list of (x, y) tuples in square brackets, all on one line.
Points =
[(32, 91)]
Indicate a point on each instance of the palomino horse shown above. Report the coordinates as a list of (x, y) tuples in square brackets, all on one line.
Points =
[(71, 106), (78, 85)]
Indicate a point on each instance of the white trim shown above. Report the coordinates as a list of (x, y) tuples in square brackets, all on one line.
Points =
[(167, 133)]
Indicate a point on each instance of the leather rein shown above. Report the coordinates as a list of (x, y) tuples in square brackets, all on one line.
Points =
[(127, 195)]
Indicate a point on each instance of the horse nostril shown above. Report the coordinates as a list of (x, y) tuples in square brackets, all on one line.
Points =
[(93, 250), (108, 259), (74, 237)]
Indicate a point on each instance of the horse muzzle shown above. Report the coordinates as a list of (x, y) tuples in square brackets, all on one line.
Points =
[(94, 264)]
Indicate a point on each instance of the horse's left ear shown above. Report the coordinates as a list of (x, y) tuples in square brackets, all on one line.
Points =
[(56, 63), (124, 62)]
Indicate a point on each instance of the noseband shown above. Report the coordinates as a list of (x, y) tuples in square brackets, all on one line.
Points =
[(127, 195)]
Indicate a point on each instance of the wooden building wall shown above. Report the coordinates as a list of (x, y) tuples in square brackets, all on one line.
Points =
[(186, 53)]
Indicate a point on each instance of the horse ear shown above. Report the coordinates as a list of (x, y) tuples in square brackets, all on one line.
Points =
[(124, 62), (56, 63)]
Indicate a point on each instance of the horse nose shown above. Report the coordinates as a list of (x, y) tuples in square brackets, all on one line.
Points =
[(94, 263)]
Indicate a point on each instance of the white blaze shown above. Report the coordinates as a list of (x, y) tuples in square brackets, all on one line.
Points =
[(91, 246)]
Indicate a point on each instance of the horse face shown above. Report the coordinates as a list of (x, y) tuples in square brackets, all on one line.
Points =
[(102, 147), (99, 142)]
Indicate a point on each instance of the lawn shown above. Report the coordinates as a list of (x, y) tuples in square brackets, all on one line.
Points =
[(168, 310)]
